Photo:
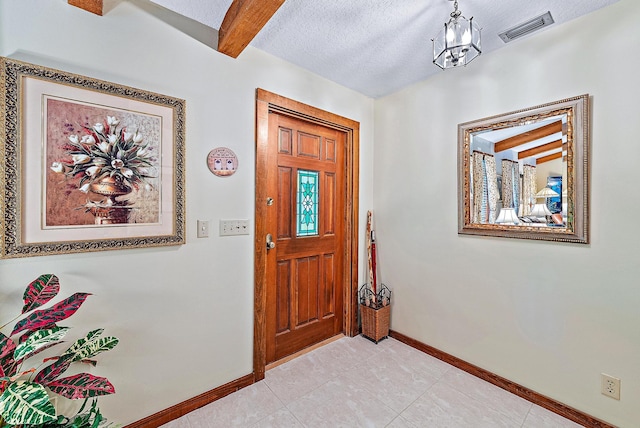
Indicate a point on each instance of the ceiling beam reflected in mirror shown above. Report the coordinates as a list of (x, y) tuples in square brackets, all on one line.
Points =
[(540, 149), (528, 136), (548, 158)]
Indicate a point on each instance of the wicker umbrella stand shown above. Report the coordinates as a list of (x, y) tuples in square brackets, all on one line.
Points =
[(375, 313)]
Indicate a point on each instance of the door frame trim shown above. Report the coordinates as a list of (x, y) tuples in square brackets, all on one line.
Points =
[(267, 102)]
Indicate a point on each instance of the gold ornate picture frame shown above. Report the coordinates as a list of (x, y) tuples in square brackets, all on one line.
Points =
[(87, 165)]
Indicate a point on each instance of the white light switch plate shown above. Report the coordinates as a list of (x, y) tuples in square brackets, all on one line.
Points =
[(203, 229), (234, 227)]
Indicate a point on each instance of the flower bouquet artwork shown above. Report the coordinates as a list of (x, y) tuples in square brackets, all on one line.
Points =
[(110, 163), (89, 165), (28, 383)]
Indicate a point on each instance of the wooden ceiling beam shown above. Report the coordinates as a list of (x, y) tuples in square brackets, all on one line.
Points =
[(527, 137), (93, 6), (548, 158), (540, 149), (242, 22)]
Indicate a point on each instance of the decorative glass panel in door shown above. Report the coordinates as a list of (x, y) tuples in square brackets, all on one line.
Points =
[(307, 206)]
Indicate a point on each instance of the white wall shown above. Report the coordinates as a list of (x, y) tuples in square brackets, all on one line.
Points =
[(549, 316), (184, 315)]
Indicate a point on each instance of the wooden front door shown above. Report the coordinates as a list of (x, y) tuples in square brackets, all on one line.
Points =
[(306, 285), (305, 268)]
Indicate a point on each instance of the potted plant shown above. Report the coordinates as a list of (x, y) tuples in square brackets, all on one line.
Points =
[(25, 389)]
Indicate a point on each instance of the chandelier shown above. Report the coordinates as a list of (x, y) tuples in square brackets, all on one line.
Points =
[(458, 43)]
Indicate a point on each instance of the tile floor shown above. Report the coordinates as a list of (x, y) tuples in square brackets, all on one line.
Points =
[(353, 382)]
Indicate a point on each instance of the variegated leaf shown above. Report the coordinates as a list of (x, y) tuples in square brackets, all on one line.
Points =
[(40, 291), (38, 340), (53, 370), (44, 348), (26, 403), (90, 346), (58, 312), (24, 336), (7, 362), (82, 385), (94, 333)]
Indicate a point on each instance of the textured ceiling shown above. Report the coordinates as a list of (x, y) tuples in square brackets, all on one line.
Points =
[(377, 47)]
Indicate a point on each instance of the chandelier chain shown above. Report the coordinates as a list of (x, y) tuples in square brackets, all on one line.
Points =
[(456, 13)]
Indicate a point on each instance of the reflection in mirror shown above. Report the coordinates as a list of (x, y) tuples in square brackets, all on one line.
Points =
[(521, 161), (524, 174)]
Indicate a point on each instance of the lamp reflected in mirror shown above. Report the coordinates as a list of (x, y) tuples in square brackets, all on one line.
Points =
[(540, 211), (547, 193), (507, 216), (524, 174)]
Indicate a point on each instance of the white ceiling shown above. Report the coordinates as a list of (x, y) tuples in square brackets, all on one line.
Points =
[(377, 47)]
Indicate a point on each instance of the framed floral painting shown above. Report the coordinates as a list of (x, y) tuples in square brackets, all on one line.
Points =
[(87, 165)]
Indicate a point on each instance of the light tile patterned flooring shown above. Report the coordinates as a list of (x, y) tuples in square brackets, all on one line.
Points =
[(353, 382)]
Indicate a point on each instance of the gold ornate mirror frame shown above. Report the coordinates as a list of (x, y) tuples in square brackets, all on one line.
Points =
[(572, 223)]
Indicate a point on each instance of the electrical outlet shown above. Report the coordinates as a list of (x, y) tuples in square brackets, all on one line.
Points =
[(610, 386)]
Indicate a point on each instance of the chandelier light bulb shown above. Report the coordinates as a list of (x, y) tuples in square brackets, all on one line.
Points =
[(451, 35), (466, 37)]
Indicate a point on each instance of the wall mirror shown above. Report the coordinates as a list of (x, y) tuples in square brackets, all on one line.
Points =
[(524, 174)]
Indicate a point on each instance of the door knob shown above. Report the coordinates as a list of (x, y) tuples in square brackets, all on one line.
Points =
[(270, 244)]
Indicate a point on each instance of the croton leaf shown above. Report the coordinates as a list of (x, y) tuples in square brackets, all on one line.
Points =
[(26, 403), (58, 312), (82, 385), (7, 362), (24, 336), (94, 333), (53, 370), (40, 291), (38, 340), (90, 418), (90, 346)]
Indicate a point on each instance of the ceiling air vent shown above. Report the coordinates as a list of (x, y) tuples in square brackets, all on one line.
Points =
[(527, 27)]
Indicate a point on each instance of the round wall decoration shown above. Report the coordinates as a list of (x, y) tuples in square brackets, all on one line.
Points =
[(222, 161)]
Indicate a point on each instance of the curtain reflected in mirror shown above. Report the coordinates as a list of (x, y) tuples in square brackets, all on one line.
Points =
[(524, 174)]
